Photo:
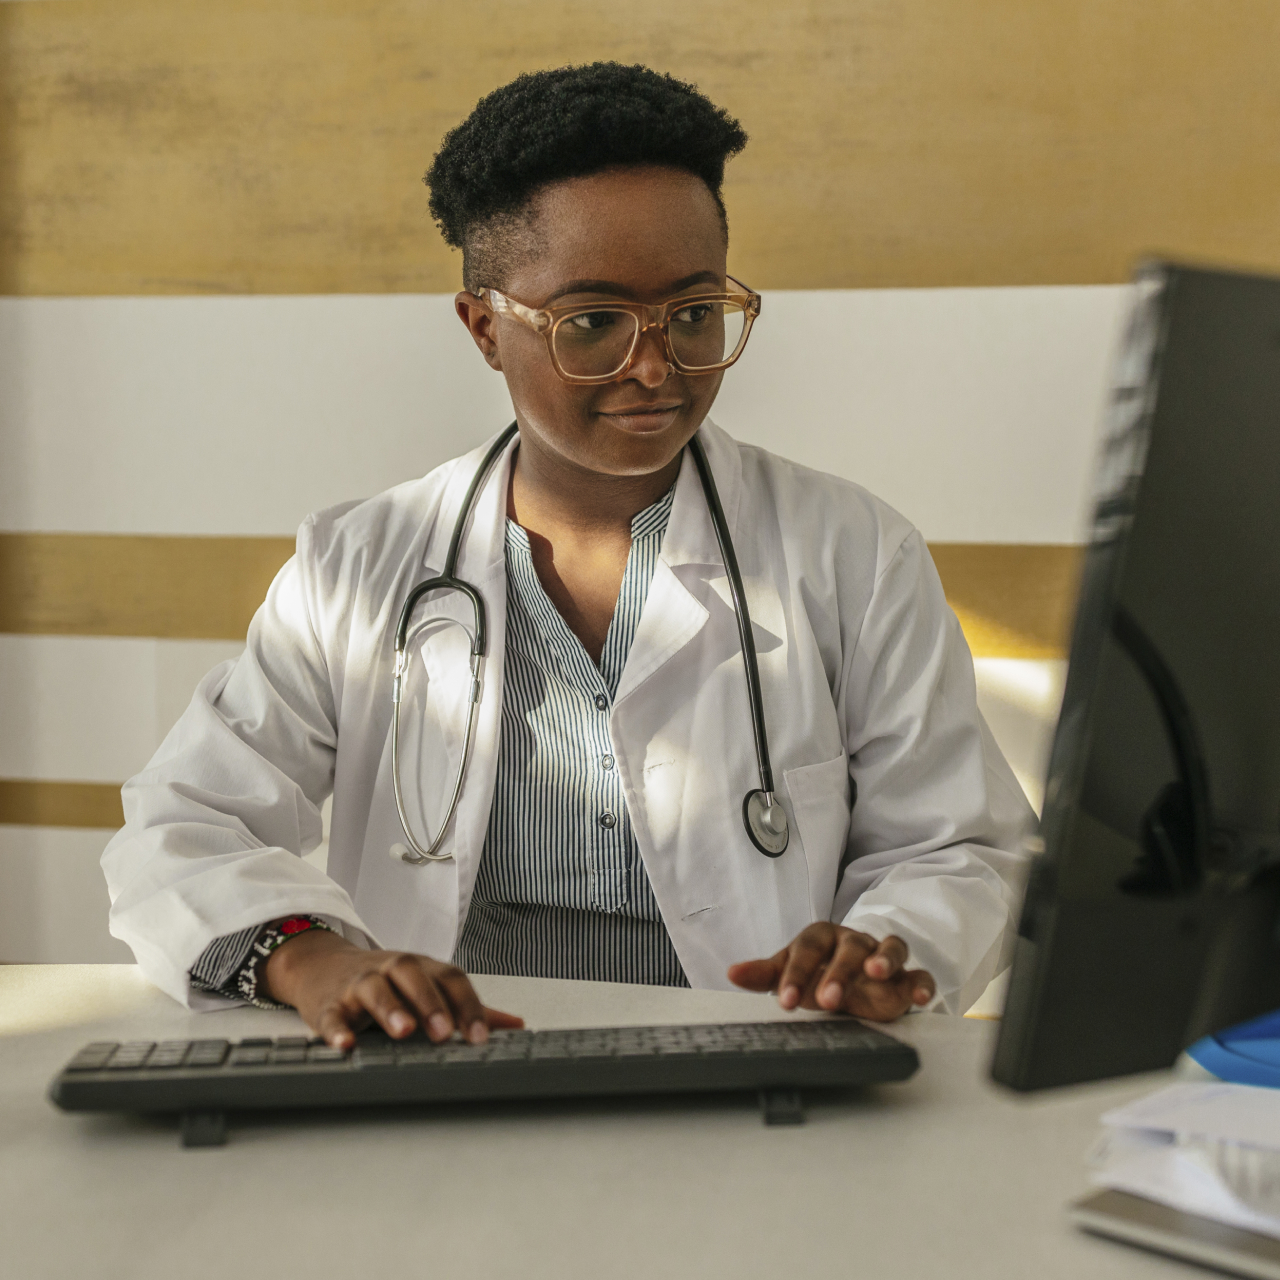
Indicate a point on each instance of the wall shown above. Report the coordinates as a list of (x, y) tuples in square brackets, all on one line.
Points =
[(224, 306)]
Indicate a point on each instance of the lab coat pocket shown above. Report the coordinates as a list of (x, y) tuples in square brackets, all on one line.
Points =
[(820, 802)]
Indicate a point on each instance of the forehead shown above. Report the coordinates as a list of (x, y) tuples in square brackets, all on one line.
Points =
[(640, 228)]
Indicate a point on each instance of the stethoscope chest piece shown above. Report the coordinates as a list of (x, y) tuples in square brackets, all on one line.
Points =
[(766, 823)]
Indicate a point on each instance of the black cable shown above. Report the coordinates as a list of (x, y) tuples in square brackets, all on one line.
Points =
[(1180, 726)]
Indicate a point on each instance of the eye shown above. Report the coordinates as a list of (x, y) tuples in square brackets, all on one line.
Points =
[(592, 321), (699, 313)]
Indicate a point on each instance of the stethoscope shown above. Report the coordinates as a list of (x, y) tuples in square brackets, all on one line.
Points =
[(762, 815)]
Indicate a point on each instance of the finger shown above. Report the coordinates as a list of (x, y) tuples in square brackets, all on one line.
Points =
[(757, 975), (887, 959), (845, 966), (427, 1000), (883, 1001), (376, 994), (878, 1001), (333, 1027), (923, 987), (468, 1012), (498, 1020), (806, 957)]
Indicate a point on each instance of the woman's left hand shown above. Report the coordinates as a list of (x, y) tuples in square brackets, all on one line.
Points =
[(839, 970)]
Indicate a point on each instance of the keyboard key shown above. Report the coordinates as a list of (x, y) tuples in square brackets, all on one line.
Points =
[(544, 1050), (284, 1054), (168, 1054), (507, 1051), (253, 1055), (130, 1056), (325, 1053), (367, 1057), (206, 1054), (93, 1057)]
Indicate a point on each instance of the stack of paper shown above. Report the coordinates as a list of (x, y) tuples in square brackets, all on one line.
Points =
[(1209, 1149)]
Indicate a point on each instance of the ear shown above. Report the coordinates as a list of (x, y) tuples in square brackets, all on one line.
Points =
[(478, 316)]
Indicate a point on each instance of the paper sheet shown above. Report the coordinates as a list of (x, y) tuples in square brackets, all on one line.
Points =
[(1211, 1149)]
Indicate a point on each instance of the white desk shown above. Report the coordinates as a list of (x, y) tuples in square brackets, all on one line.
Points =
[(943, 1176)]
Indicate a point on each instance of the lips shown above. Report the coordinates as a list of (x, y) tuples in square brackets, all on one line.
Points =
[(643, 417)]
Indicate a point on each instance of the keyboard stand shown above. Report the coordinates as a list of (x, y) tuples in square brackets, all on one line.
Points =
[(204, 1128), (209, 1128), (782, 1106)]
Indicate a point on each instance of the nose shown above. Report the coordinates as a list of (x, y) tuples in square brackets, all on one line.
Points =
[(650, 366)]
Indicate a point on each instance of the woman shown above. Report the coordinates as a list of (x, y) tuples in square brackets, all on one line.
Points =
[(599, 830)]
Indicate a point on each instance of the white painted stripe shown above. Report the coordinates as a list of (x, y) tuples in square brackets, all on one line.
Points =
[(974, 411), (94, 709), (53, 898)]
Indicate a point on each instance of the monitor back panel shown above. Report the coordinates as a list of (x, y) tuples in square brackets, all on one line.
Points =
[(1119, 963)]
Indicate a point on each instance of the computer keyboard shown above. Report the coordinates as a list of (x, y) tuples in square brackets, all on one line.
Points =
[(204, 1079)]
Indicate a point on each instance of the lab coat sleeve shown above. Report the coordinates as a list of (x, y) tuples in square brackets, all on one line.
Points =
[(216, 824), (935, 842)]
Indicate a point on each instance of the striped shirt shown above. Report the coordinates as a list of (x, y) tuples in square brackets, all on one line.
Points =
[(561, 890)]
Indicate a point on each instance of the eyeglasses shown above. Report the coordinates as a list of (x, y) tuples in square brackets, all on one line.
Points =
[(597, 342)]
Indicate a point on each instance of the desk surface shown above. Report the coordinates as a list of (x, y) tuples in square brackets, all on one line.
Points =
[(944, 1176)]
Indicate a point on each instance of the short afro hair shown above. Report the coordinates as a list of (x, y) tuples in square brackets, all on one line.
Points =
[(567, 123)]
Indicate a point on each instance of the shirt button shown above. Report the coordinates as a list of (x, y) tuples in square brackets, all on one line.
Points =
[(607, 761), (607, 820), (601, 702)]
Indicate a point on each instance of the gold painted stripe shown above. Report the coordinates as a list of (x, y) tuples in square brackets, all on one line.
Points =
[(157, 147), (114, 585), (1014, 601), (27, 802)]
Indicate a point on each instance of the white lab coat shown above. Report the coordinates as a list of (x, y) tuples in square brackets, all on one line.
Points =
[(865, 676)]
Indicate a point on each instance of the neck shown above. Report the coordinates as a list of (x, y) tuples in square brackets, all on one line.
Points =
[(548, 491)]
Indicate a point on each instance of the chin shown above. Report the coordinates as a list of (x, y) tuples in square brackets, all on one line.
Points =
[(636, 456)]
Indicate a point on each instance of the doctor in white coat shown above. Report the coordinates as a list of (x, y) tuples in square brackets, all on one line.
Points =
[(900, 883)]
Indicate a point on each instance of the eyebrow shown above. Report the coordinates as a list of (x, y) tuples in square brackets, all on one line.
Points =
[(612, 289)]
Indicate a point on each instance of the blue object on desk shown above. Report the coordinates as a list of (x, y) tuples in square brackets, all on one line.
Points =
[(1245, 1054)]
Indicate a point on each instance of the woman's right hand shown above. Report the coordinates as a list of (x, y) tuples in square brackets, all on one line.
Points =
[(338, 988)]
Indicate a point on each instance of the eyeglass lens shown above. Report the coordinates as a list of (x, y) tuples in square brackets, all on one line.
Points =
[(594, 344)]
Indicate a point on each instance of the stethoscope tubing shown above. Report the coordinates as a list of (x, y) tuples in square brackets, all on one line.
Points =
[(447, 581), (765, 821), (746, 638)]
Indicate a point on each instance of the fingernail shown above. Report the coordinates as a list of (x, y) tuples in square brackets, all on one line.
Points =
[(877, 968), (401, 1023), (831, 994), (922, 995), (789, 997), (439, 1026), (479, 1033)]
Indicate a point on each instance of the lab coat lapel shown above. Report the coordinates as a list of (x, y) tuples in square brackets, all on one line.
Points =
[(686, 746), (672, 615)]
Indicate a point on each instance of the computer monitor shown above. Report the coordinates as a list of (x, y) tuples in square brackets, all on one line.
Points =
[(1152, 913)]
